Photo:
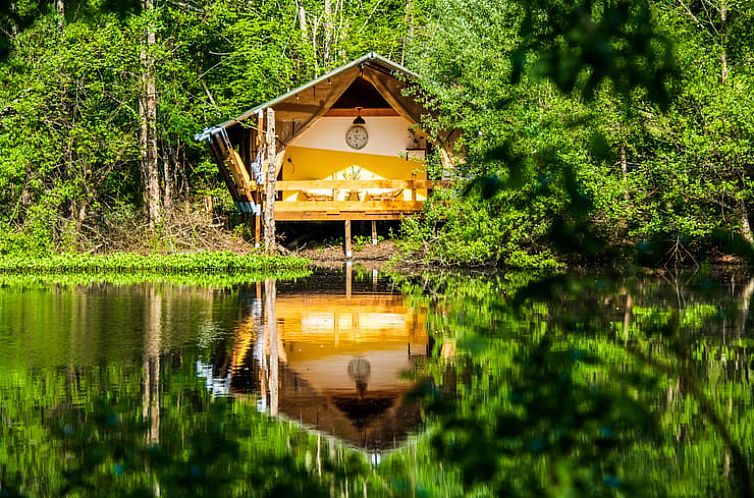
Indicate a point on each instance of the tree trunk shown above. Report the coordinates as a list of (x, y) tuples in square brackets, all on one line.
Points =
[(408, 39), (624, 171), (723, 31), (271, 182), (60, 8), (169, 187), (148, 123), (745, 226)]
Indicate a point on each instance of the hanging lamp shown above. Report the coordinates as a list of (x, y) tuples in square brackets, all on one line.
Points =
[(359, 120)]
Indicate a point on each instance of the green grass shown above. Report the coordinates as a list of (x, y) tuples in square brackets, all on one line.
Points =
[(154, 266)]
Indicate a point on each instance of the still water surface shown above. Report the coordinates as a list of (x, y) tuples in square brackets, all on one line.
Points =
[(344, 384)]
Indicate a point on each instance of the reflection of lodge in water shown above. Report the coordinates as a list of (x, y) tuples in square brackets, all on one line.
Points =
[(333, 362)]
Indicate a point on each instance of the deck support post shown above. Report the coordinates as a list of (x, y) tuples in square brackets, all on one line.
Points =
[(374, 232), (347, 242), (270, 246), (349, 279), (257, 230)]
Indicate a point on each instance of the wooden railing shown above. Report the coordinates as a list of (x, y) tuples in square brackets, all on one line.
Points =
[(359, 184), (363, 199)]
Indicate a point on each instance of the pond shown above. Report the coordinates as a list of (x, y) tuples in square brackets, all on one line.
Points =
[(349, 383)]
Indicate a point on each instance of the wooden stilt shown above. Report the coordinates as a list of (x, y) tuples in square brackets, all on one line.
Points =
[(349, 279), (347, 243), (374, 232), (257, 230)]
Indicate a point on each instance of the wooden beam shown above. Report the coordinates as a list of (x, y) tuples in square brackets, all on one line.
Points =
[(398, 206), (270, 245), (296, 107), (347, 241), (359, 184), (240, 173), (336, 216), (218, 153), (366, 112), (257, 230), (374, 232)]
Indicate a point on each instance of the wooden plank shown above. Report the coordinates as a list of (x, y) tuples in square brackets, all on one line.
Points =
[(367, 111), (347, 240), (336, 216), (359, 184), (297, 107), (358, 206), (257, 230), (240, 173), (217, 153)]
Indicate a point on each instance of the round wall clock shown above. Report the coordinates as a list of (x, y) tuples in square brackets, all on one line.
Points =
[(357, 137)]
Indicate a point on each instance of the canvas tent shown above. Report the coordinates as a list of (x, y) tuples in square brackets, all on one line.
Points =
[(371, 86)]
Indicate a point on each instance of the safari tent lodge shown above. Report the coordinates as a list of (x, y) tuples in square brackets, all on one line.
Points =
[(345, 146)]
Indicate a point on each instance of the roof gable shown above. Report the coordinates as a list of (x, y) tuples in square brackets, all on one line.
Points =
[(296, 110)]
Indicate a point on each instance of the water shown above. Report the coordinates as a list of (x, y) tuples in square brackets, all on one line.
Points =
[(350, 384)]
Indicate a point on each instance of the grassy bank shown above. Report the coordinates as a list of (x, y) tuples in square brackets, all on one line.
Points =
[(154, 264)]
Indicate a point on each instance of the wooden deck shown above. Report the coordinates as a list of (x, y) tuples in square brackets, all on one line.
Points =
[(323, 200)]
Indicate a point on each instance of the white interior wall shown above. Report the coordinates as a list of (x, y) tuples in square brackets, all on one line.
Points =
[(388, 135)]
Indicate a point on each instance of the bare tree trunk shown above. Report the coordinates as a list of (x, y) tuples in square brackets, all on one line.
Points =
[(624, 171), (148, 119), (302, 23), (745, 225), (328, 35), (723, 31), (60, 8), (184, 185), (270, 246), (169, 187), (408, 39)]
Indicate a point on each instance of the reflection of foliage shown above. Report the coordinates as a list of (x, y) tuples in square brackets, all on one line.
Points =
[(600, 387), (206, 447), (592, 386), (544, 431)]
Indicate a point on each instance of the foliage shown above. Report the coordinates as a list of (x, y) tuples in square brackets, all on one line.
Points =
[(71, 79), (207, 263), (580, 385), (608, 127)]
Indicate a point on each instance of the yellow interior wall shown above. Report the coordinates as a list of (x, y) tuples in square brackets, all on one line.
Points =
[(320, 164)]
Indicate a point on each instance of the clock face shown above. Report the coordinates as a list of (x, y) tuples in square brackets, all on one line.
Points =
[(357, 137)]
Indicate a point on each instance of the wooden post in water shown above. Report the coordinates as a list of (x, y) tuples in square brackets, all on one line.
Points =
[(374, 232), (347, 242), (269, 206), (272, 335), (259, 142), (349, 279)]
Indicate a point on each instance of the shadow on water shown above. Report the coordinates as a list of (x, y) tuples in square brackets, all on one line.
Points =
[(350, 384)]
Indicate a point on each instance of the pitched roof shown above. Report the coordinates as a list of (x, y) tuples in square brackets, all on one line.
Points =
[(297, 109)]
